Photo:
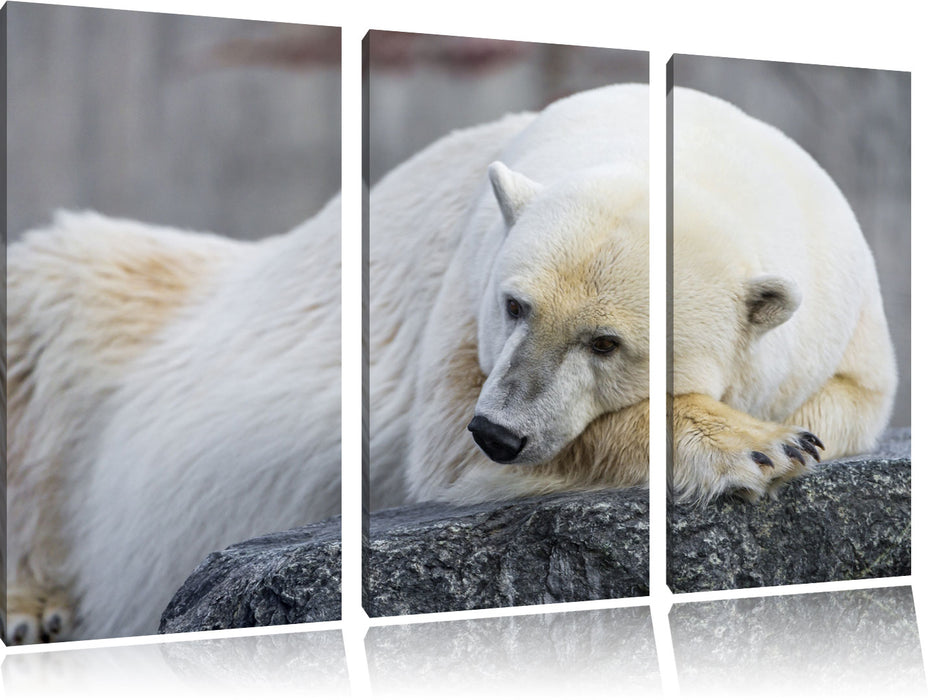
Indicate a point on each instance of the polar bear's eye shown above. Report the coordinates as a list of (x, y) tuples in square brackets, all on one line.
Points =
[(513, 308), (604, 345)]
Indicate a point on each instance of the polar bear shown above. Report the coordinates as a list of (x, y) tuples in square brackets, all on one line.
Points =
[(509, 306), (170, 394), (509, 332)]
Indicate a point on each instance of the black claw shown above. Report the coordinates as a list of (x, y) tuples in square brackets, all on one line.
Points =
[(761, 459), (809, 437), (794, 453), (54, 624), (809, 446)]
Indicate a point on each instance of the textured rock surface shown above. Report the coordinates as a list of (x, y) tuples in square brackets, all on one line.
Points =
[(850, 519), (561, 548), (283, 578)]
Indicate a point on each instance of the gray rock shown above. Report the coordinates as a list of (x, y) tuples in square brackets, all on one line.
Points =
[(278, 579), (560, 548), (850, 519)]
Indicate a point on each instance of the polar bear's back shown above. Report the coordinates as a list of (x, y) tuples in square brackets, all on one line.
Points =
[(770, 191), (87, 296), (592, 128), (742, 185)]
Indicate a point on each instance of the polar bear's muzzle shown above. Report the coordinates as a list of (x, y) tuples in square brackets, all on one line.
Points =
[(533, 403), (497, 442)]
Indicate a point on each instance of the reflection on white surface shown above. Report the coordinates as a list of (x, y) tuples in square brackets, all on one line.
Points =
[(593, 653), (308, 664), (854, 643), (860, 643)]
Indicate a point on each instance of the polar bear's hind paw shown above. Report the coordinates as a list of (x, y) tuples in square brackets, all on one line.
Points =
[(36, 616)]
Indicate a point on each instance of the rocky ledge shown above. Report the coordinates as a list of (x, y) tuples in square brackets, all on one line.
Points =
[(283, 578), (849, 519), (552, 549)]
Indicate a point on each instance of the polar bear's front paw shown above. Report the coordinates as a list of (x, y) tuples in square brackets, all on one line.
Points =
[(793, 449), (720, 450), (800, 451)]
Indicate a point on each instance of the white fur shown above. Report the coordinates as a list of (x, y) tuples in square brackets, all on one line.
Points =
[(152, 425)]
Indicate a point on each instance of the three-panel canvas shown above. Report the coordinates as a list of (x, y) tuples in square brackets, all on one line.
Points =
[(173, 357)]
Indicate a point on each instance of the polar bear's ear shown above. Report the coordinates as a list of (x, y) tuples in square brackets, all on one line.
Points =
[(770, 301), (513, 190)]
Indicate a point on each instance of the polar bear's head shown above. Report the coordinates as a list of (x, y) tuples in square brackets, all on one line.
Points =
[(563, 332)]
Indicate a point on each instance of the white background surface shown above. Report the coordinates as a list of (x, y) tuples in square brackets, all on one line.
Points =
[(894, 35)]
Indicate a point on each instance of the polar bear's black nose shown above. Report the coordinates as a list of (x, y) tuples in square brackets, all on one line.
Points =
[(498, 443)]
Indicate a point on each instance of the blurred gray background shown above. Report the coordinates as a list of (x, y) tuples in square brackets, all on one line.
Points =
[(210, 124), (422, 86), (234, 126), (856, 124)]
